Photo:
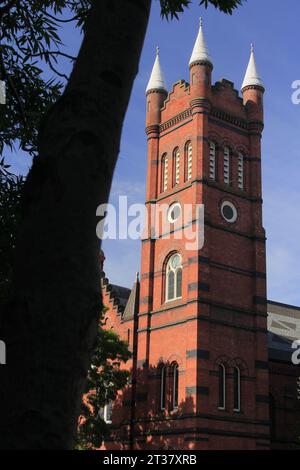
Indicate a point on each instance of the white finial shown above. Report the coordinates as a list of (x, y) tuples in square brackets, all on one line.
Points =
[(157, 80), (200, 52), (136, 277), (252, 77)]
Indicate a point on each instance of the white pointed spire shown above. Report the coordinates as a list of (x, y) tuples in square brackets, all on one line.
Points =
[(200, 51), (252, 77), (157, 79)]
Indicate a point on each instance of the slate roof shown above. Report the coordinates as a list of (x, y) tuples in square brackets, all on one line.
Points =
[(284, 329), (124, 299)]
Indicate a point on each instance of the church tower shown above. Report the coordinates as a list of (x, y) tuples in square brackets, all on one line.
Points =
[(202, 358)]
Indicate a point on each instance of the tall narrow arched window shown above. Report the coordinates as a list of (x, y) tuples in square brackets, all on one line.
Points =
[(174, 278), (176, 166), (226, 165), (212, 160), (175, 384), (164, 173), (188, 161), (163, 387), (236, 389), (241, 171), (107, 413), (222, 387)]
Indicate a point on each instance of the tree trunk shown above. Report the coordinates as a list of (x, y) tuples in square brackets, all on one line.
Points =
[(50, 327)]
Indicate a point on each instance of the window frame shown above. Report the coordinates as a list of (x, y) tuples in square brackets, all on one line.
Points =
[(188, 161), (226, 165), (106, 416), (176, 167), (222, 380), (175, 386), (168, 270), (238, 385), (241, 171), (164, 173), (163, 388), (212, 160)]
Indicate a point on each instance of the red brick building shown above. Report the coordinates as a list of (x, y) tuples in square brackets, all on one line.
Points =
[(203, 373)]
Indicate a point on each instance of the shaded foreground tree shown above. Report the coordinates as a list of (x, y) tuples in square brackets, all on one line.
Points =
[(10, 194), (50, 323)]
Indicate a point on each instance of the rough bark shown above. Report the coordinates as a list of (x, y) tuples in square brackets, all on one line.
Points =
[(50, 326)]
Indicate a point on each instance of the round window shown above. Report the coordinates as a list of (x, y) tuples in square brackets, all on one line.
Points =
[(174, 212), (229, 212)]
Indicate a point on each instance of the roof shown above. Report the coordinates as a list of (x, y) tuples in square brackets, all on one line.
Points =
[(284, 329), (200, 52), (252, 77), (132, 305), (121, 293), (157, 79), (124, 299)]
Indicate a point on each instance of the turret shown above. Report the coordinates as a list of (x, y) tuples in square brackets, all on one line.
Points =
[(200, 68), (253, 90), (156, 93)]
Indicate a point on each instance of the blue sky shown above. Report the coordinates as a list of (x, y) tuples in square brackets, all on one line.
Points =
[(275, 33)]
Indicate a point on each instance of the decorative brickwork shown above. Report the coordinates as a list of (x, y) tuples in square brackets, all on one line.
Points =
[(220, 316)]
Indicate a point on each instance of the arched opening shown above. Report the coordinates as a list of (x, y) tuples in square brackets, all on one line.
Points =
[(176, 166), (188, 161), (212, 160), (174, 278), (163, 387), (241, 171), (164, 173), (175, 385), (222, 386), (227, 165), (236, 389)]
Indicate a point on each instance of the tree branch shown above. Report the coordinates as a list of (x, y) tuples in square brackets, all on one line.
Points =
[(62, 75), (60, 20), (44, 53)]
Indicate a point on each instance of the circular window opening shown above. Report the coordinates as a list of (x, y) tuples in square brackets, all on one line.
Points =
[(229, 212), (174, 212)]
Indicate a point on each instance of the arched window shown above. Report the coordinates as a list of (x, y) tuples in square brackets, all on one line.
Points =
[(176, 166), (174, 278), (226, 165), (164, 173), (175, 380), (236, 389), (107, 413), (212, 160), (128, 336), (163, 386), (222, 387), (241, 171), (188, 161)]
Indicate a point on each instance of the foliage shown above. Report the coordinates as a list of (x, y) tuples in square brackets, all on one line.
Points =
[(171, 8), (105, 379), (31, 53), (10, 194), (30, 49)]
